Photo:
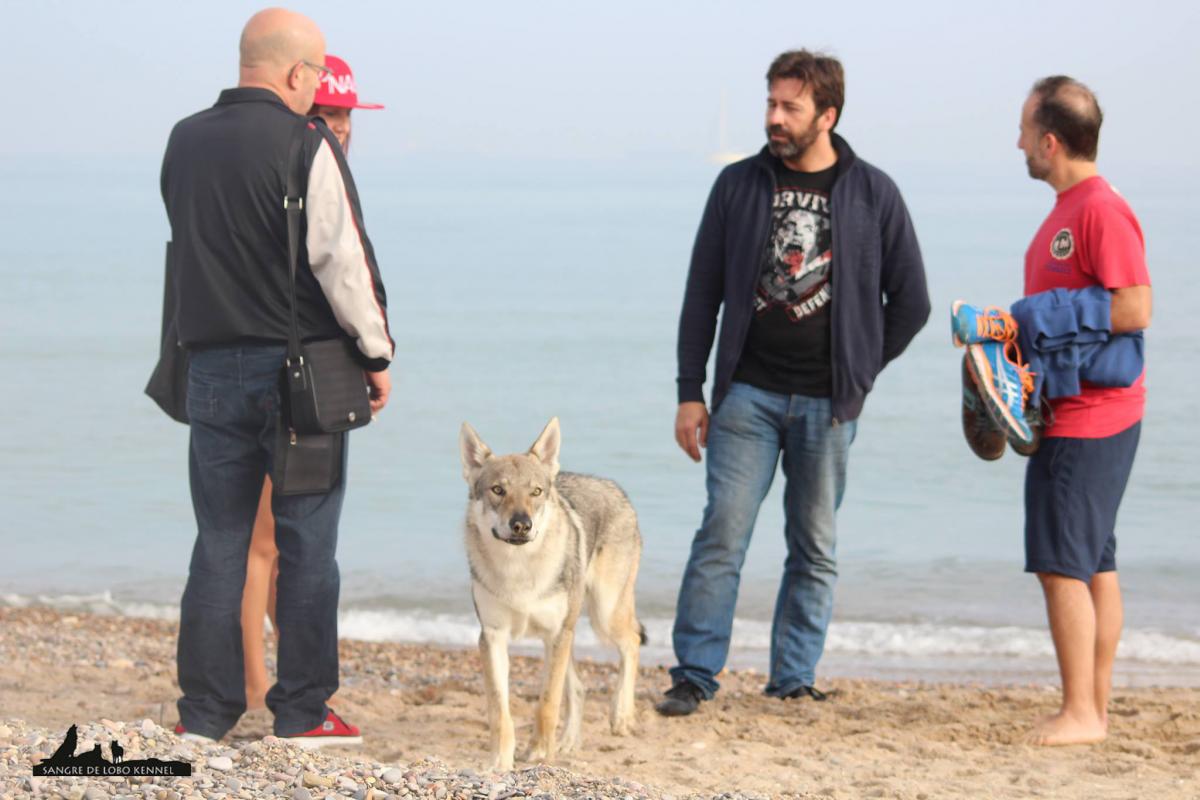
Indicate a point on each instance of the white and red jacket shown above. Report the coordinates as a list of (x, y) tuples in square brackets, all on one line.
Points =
[(223, 182)]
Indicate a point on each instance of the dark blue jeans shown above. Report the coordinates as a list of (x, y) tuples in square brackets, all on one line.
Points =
[(745, 438), (233, 402)]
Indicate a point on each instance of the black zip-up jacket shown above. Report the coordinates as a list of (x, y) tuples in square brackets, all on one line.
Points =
[(224, 176), (880, 300)]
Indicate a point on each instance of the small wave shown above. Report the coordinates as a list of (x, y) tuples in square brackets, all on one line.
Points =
[(913, 640), (916, 640), (95, 603), (927, 639), (418, 626)]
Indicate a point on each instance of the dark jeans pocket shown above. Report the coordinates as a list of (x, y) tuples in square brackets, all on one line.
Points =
[(201, 400)]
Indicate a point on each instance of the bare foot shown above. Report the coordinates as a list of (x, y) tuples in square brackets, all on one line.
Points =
[(1062, 729)]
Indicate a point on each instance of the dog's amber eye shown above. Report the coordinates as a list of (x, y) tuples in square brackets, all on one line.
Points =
[(498, 490), (537, 490)]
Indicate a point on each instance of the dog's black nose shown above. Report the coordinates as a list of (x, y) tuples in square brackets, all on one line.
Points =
[(520, 524)]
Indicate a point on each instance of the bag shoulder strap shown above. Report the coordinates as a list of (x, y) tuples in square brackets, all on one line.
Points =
[(293, 206)]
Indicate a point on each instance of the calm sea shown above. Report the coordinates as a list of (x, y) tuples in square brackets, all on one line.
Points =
[(523, 291)]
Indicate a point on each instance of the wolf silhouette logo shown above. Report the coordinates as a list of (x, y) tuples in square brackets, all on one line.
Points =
[(65, 762)]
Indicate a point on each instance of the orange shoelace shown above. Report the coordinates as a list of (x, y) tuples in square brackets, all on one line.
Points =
[(996, 323), (1012, 354)]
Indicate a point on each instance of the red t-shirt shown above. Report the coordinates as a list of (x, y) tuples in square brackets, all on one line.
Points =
[(1090, 238)]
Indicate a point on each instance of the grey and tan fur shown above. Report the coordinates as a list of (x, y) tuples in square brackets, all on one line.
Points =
[(542, 544)]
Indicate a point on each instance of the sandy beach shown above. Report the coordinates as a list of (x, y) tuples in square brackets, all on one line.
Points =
[(422, 712)]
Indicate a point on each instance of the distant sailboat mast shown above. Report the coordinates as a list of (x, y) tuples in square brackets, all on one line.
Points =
[(724, 155)]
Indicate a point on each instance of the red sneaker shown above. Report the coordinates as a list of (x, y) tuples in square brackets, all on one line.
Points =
[(334, 731), (182, 733)]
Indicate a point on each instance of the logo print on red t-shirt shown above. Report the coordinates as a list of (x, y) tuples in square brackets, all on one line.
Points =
[(1062, 245)]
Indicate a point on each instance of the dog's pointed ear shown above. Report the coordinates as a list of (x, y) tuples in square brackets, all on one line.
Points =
[(473, 451), (545, 449)]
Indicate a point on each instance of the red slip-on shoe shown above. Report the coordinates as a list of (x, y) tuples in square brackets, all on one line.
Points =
[(333, 732), (182, 733)]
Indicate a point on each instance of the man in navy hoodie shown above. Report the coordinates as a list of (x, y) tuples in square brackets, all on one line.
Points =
[(813, 255)]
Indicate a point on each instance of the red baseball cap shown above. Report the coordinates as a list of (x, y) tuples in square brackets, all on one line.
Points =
[(337, 88)]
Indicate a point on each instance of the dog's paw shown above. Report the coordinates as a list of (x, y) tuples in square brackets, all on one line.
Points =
[(538, 753), (502, 763), (624, 726), (568, 743)]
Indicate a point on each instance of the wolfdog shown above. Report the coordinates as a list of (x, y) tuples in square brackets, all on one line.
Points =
[(540, 543)]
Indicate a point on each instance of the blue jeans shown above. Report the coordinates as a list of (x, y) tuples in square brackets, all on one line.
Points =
[(232, 404), (745, 438)]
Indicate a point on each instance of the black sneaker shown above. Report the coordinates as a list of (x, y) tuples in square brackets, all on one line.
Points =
[(801, 692), (682, 699)]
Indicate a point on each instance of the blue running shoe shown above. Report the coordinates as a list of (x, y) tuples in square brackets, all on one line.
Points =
[(1004, 383), (971, 324)]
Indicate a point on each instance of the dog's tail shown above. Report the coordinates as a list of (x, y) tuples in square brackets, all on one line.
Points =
[(642, 633)]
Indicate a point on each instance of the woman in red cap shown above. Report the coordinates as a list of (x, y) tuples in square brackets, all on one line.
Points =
[(336, 97)]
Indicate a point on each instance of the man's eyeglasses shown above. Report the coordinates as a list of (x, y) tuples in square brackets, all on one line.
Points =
[(321, 69)]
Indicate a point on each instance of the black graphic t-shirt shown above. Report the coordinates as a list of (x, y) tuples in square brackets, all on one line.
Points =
[(787, 349)]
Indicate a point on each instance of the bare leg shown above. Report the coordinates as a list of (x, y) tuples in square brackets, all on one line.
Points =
[(493, 647), (1106, 598), (271, 593), (258, 597), (1073, 628)]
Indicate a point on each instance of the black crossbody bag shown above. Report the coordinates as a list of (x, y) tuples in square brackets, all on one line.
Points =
[(322, 386), (306, 463)]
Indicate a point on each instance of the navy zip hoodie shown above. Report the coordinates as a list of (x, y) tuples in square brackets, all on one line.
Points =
[(880, 300)]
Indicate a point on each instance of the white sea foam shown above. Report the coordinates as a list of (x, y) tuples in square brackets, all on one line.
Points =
[(405, 626), (94, 603), (884, 639), (866, 638)]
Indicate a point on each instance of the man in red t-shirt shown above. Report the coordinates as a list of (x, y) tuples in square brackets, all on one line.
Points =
[(1074, 483)]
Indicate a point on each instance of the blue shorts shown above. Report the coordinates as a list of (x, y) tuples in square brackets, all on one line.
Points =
[(1073, 488)]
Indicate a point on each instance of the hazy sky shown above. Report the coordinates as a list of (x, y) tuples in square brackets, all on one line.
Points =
[(926, 82)]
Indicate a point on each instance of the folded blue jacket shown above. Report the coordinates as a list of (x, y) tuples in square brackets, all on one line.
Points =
[(1066, 336)]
